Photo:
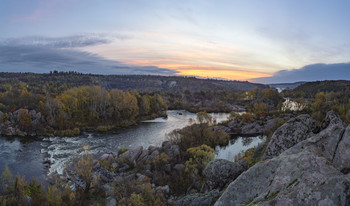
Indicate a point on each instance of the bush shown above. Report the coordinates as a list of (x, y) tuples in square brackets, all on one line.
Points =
[(103, 128), (199, 157)]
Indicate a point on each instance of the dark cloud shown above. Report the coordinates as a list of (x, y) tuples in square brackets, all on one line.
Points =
[(46, 54), (59, 42), (313, 72)]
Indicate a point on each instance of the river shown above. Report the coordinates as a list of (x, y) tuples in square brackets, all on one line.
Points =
[(26, 156)]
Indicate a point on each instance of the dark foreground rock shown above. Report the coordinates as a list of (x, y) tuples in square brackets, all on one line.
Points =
[(219, 173), (312, 172)]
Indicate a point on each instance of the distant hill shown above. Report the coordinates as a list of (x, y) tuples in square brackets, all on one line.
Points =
[(59, 81), (282, 86), (310, 89)]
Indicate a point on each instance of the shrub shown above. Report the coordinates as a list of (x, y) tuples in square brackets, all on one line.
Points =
[(199, 157)]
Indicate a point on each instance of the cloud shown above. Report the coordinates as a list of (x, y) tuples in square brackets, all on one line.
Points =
[(42, 54), (312, 72), (59, 42)]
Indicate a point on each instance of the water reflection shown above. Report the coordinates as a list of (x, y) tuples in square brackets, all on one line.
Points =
[(236, 145)]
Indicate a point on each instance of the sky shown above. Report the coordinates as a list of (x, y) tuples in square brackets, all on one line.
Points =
[(257, 40)]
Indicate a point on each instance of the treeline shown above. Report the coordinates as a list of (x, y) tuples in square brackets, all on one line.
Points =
[(57, 82), (86, 107), (322, 96)]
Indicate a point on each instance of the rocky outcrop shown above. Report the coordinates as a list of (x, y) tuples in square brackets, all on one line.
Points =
[(312, 172), (11, 126), (219, 173), (289, 134)]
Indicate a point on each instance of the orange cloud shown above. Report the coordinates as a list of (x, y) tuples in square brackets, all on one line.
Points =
[(225, 74), (205, 71)]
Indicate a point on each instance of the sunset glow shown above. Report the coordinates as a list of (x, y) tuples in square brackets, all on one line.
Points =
[(224, 74)]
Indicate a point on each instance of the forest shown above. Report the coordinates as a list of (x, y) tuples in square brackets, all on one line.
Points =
[(24, 112)]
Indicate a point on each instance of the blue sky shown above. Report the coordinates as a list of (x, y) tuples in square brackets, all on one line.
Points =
[(233, 39)]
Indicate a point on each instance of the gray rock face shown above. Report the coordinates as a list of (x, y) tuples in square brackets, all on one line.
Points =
[(289, 134), (308, 173), (199, 199), (219, 173)]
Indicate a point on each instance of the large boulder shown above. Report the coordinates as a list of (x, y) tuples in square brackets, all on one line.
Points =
[(289, 134), (132, 154), (309, 173), (219, 173)]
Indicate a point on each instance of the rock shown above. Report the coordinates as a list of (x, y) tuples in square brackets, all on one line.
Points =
[(244, 164), (147, 167), (115, 155), (124, 168), (35, 123), (140, 177), (114, 165), (198, 199), (106, 157), (258, 152), (269, 125), (223, 128), (149, 174), (237, 108), (173, 152), (110, 201), (166, 144), (32, 113), (179, 167), (10, 131), (108, 190), (342, 155), (167, 168), (106, 175), (153, 155), (96, 164), (143, 155), (305, 174), (165, 189), (132, 154), (232, 123), (219, 173), (289, 134), (252, 128), (152, 148), (328, 139)]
